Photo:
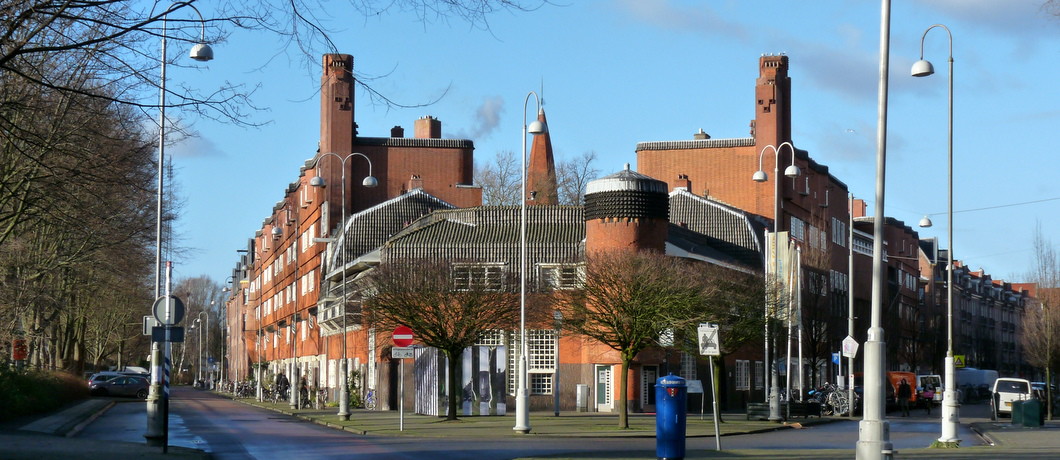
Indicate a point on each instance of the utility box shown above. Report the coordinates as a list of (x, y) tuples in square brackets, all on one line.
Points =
[(671, 398), (582, 397)]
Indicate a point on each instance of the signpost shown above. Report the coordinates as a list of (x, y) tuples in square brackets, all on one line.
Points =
[(710, 345), (402, 337)]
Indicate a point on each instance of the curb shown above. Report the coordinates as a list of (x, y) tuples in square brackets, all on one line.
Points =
[(784, 426), (78, 426)]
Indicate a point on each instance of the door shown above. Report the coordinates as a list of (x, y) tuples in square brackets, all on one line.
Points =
[(603, 388), (648, 375)]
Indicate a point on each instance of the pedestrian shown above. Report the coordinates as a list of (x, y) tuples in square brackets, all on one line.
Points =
[(282, 384), (929, 398), (904, 393)]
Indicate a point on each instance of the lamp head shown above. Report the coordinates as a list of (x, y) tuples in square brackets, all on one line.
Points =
[(536, 127), (925, 222), (792, 171), (760, 176), (277, 232), (370, 182), (201, 52), (317, 181), (922, 68)]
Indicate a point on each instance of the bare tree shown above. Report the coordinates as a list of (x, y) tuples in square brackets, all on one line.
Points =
[(447, 313), (573, 175), (500, 180), (1041, 323), (627, 302)]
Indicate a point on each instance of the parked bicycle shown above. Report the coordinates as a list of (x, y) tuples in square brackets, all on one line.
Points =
[(369, 400)]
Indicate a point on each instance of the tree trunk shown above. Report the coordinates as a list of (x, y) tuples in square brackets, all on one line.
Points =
[(455, 391)]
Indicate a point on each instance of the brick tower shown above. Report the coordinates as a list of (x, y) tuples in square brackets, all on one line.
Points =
[(541, 187), (626, 210), (337, 128)]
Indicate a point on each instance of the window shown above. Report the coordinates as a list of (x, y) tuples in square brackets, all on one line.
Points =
[(743, 375), (478, 276), (688, 366), (540, 359), (760, 375), (560, 276), (797, 230), (540, 384), (839, 232)]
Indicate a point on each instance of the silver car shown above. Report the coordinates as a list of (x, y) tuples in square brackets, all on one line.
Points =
[(125, 385)]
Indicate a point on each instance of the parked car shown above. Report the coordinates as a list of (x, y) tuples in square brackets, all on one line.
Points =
[(1006, 391), (100, 377), (123, 385)]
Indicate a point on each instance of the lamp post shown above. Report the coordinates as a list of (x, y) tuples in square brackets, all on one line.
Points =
[(370, 182), (557, 316), (198, 354), (198, 319), (200, 52), (760, 176), (522, 397), (873, 430), (923, 68), (295, 380)]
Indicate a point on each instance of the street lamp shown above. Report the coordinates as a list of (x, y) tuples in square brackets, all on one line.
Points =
[(874, 431), (522, 397), (156, 422), (207, 352), (923, 68), (557, 316), (370, 182), (760, 176)]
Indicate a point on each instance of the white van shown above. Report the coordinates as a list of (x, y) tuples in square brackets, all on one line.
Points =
[(1006, 390), (932, 382)]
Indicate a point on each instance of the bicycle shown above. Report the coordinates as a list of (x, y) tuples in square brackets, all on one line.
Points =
[(322, 398), (369, 400)]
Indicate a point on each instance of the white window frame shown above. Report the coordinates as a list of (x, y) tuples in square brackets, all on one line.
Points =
[(479, 275), (560, 276), (743, 375)]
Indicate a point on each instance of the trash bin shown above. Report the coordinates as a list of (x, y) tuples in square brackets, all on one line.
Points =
[(671, 397), (1017, 413), (582, 397), (1032, 413)]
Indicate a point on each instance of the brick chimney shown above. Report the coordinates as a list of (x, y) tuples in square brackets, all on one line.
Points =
[(428, 127), (683, 183)]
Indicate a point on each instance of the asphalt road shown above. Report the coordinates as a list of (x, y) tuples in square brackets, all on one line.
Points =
[(230, 430)]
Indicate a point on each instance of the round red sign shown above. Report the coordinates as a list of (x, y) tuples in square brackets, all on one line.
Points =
[(402, 336)]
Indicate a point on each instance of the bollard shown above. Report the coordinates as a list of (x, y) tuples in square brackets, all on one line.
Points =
[(671, 396)]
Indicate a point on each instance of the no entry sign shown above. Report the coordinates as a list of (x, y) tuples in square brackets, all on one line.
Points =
[(402, 336)]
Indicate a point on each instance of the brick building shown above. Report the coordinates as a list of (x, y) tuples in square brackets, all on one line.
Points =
[(692, 198)]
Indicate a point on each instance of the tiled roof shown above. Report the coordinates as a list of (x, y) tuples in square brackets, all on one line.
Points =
[(696, 144), (369, 229), (723, 229), (491, 234), (415, 142)]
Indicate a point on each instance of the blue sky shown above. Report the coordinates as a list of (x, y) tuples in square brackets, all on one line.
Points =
[(615, 73)]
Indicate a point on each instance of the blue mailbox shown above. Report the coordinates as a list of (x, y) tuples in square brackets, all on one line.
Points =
[(671, 396)]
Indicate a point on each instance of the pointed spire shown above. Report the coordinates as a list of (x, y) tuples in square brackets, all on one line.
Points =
[(541, 188)]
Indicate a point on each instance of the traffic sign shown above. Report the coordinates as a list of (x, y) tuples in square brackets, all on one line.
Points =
[(709, 341), (176, 310), (850, 347), (401, 352), (402, 336), (958, 361)]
